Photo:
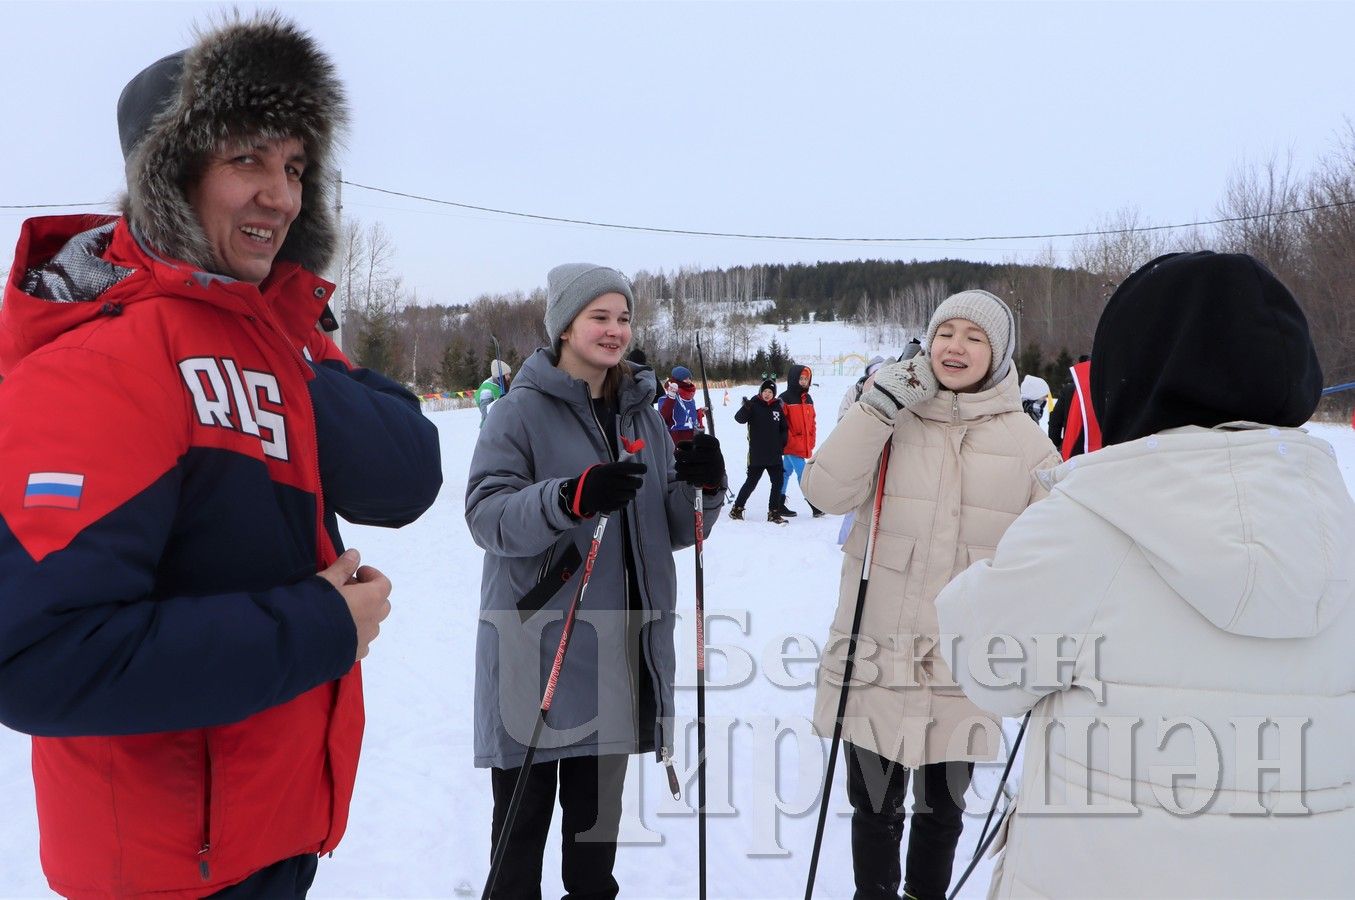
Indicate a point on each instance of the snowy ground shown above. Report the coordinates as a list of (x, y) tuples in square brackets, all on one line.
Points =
[(420, 822)]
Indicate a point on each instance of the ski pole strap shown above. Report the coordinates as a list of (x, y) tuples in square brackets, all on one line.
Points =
[(875, 513), (578, 493)]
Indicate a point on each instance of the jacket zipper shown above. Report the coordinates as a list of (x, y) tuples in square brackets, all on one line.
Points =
[(303, 369), (664, 752), (545, 565), (204, 868), (625, 578), (955, 408)]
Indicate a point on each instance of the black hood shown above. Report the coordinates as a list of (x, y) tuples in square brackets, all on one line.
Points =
[(1202, 339)]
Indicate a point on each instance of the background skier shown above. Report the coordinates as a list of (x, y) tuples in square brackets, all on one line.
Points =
[(803, 435), (765, 417), (493, 387), (680, 411)]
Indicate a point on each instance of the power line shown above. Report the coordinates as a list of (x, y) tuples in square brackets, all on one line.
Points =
[(691, 232), (48, 205), (654, 229)]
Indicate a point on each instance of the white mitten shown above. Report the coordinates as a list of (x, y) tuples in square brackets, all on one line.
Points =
[(900, 385)]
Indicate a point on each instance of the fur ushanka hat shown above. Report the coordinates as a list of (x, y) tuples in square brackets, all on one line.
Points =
[(256, 77)]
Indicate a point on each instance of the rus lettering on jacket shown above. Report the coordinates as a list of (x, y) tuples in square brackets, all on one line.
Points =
[(226, 396)]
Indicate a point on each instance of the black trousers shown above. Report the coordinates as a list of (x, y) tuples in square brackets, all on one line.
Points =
[(590, 804), (286, 880), (774, 474), (878, 788)]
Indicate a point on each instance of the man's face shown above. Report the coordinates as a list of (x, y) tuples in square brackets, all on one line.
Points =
[(249, 194)]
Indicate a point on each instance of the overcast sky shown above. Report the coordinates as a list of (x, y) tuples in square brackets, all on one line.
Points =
[(878, 120)]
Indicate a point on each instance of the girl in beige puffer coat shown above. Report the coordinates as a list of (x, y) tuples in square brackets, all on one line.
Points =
[(962, 468)]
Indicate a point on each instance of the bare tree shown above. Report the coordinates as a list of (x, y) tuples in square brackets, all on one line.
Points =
[(1256, 198)]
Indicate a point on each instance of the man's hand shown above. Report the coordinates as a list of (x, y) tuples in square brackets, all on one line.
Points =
[(367, 593)]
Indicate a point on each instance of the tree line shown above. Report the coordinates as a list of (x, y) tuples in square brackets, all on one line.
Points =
[(437, 346)]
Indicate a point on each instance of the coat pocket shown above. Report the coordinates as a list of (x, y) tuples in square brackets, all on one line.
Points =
[(977, 552), (556, 570), (893, 551)]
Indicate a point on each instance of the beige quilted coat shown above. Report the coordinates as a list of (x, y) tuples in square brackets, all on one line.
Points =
[(962, 469)]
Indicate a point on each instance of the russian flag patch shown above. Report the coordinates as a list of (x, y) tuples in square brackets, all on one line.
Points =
[(60, 490)]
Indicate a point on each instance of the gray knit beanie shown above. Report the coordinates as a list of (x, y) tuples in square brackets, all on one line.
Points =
[(989, 313), (572, 286)]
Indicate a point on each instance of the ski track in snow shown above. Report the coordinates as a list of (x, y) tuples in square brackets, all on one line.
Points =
[(421, 811)]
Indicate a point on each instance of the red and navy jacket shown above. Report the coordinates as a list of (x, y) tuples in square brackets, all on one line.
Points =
[(173, 445), (799, 415), (682, 414)]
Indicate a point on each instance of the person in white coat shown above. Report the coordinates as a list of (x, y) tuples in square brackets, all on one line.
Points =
[(1177, 613)]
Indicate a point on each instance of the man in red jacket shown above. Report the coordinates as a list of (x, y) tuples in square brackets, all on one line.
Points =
[(178, 625)]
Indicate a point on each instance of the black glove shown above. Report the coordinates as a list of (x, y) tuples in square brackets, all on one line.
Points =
[(603, 488), (700, 463)]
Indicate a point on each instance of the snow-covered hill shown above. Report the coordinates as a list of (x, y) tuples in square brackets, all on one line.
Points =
[(420, 821)]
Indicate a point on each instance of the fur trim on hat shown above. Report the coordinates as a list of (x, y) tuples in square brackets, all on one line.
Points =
[(256, 77)]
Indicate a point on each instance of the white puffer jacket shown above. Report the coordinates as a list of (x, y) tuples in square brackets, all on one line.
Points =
[(1216, 564)]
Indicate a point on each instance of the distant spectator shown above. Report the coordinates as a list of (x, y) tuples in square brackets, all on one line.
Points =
[(493, 387), (803, 434), (1058, 416), (679, 408), (1034, 396), (1081, 433), (765, 417)]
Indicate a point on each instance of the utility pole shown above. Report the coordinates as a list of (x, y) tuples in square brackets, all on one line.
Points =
[(338, 220)]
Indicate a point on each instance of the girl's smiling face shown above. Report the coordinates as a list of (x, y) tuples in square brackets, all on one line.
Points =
[(961, 355), (598, 337)]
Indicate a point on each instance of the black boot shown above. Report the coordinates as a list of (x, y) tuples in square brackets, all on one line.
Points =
[(736, 512)]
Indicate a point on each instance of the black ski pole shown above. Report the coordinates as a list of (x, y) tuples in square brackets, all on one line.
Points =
[(1007, 770), (498, 375), (847, 670), (985, 838), (978, 854), (700, 518), (520, 784)]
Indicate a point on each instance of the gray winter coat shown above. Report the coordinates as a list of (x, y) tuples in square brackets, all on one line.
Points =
[(542, 433)]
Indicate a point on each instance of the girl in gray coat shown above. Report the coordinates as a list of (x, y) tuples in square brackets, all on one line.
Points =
[(546, 463)]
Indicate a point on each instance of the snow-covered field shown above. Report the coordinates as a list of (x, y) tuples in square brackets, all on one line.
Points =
[(420, 821)]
